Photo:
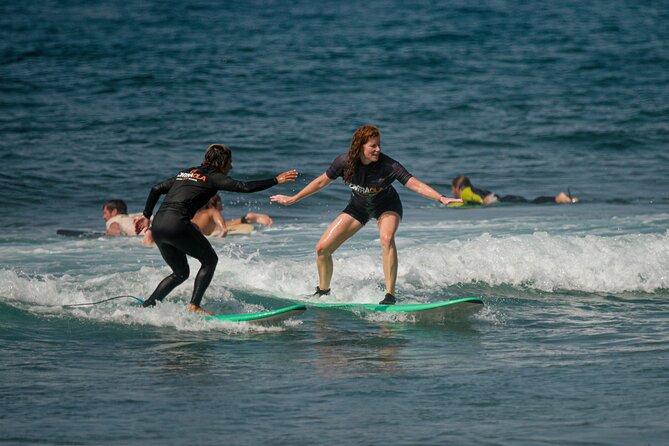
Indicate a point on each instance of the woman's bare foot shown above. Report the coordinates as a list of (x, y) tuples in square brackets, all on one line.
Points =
[(563, 198), (195, 309)]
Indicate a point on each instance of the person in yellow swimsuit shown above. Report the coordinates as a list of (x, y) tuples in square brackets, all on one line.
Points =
[(463, 188)]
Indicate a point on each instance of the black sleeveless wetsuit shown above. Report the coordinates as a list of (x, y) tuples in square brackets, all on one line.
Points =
[(174, 233), (371, 190)]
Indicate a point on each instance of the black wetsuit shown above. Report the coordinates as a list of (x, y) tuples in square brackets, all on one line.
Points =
[(174, 233), (371, 190), (480, 194), (519, 199)]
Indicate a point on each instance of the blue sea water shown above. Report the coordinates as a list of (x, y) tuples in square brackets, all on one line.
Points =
[(102, 100)]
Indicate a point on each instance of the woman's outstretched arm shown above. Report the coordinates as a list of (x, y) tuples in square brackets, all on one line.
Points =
[(311, 188), (417, 186)]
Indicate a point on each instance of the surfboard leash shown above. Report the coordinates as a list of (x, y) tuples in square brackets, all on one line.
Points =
[(141, 301)]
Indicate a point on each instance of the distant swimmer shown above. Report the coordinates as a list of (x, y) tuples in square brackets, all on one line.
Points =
[(117, 220), (462, 188), (121, 224), (174, 233), (369, 174)]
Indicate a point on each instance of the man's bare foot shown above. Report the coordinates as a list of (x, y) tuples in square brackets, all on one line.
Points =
[(261, 219), (563, 198), (195, 309)]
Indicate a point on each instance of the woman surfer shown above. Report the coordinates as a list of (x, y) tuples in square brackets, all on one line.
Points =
[(369, 174)]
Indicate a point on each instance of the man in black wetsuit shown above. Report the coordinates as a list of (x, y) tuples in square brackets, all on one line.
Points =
[(369, 174), (172, 229)]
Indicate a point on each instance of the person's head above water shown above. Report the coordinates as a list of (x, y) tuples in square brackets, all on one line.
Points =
[(458, 184), (365, 149), (112, 208), (214, 203), (219, 158)]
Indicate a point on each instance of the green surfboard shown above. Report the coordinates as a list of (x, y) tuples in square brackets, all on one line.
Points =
[(271, 317), (431, 312)]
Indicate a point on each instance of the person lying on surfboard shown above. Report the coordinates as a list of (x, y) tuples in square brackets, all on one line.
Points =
[(369, 174), (174, 233), (208, 218), (210, 221), (462, 188), (117, 221)]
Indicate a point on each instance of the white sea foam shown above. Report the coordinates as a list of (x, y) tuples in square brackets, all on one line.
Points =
[(48, 296), (540, 261), (632, 262), (635, 262)]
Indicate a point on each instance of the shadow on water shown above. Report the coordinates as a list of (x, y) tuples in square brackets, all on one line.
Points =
[(346, 344), (342, 351), (349, 344)]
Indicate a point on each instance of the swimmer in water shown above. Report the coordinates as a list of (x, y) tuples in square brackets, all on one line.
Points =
[(461, 187)]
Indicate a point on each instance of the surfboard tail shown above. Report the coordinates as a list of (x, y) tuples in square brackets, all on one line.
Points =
[(271, 317)]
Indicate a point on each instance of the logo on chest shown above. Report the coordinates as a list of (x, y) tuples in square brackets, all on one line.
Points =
[(193, 175), (365, 190)]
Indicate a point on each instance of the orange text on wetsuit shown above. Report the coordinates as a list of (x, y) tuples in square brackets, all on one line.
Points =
[(193, 175)]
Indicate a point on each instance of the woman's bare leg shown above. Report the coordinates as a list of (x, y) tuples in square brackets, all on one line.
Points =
[(340, 230), (388, 223)]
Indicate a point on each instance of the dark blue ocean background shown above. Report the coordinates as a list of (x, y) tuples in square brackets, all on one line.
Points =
[(102, 100)]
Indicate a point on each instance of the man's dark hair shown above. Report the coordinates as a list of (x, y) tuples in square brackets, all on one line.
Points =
[(117, 204)]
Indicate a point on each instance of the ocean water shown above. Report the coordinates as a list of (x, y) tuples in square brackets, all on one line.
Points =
[(102, 100)]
